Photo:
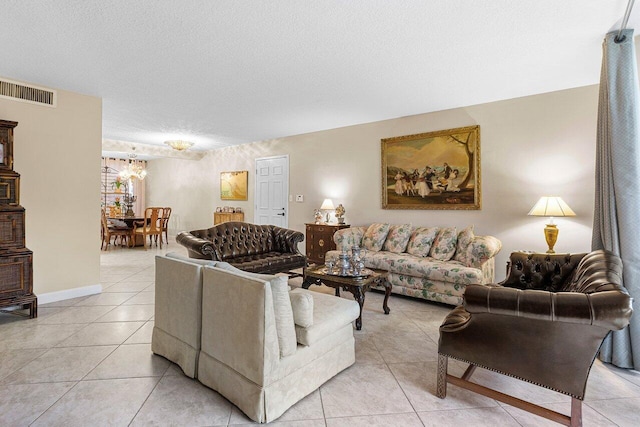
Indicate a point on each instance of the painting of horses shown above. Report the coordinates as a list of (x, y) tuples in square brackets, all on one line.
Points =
[(433, 170)]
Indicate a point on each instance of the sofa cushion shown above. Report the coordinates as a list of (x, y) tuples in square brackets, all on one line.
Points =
[(268, 262), (465, 237), (330, 313), (421, 241), (375, 236), (397, 238), (302, 306), (284, 316), (423, 267), (348, 237), (444, 246)]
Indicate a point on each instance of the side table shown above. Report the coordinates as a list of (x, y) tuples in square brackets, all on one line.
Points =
[(319, 240)]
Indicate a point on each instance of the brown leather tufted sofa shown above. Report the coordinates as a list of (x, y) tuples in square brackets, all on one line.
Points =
[(543, 324), (249, 247)]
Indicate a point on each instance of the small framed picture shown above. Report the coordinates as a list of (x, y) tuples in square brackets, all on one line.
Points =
[(233, 185)]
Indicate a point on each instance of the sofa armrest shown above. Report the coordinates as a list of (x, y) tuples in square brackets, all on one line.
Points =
[(481, 249), (286, 240), (345, 238), (607, 309), (197, 247)]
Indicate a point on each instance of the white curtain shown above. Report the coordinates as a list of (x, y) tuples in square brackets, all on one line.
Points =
[(617, 205), (136, 185)]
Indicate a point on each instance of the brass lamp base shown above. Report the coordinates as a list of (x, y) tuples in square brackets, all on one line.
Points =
[(551, 235)]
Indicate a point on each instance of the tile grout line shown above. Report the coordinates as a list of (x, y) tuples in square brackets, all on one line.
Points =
[(54, 403), (149, 395), (404, 392)]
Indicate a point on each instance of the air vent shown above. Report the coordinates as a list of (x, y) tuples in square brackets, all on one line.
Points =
[(31, 94)]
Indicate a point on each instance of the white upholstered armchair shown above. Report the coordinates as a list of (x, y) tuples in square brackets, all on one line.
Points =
[(254, 347)]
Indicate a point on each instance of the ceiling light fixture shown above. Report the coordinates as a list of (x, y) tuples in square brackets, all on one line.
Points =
[(135, 169), (179, 145)]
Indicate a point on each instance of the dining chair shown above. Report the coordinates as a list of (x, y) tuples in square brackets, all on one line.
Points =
[(107, 232), (151, 225), (164, 221)]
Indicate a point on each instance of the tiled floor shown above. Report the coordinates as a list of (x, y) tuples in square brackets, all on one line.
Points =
[(87, 362)]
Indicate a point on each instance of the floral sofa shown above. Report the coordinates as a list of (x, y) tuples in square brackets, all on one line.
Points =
[(434, 263)]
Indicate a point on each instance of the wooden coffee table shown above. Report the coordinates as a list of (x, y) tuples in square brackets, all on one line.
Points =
[(358, 286)]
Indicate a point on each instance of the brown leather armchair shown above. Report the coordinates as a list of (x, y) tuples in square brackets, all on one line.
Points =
[(249, 247), (543, 324)]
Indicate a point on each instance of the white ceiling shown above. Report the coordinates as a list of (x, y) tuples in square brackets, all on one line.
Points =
[(228, 71)]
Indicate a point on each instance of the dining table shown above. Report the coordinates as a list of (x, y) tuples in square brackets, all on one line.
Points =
[(128, 221)]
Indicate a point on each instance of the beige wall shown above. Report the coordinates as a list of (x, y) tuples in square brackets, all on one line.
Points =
[(57, 153), (531, 146)]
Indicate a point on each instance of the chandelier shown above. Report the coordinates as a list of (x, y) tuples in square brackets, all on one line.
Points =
[(179, 145), (135, 169)]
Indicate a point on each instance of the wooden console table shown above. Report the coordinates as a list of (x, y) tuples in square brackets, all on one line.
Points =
[(220, 217)]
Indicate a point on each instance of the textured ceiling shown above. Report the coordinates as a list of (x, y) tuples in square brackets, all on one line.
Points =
[(228, 72)]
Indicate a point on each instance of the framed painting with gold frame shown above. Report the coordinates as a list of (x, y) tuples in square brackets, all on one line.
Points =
[(433, 170), (233, 185)]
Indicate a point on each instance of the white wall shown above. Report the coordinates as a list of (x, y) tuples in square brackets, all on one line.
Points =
[(530, 147), (57, 153)]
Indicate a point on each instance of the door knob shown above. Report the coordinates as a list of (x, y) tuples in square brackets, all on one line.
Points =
[(281, 214)]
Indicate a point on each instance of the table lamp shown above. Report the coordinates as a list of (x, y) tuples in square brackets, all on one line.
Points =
[(551, 206), (327, 205)]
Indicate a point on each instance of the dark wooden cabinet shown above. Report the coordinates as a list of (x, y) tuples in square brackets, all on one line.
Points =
[(16, 261), (9, 188), (320, 240), (12, 228)]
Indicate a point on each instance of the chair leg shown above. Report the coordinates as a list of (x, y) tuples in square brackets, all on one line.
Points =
[(444, 378), (441, 387), (576, 412), (467, 374)]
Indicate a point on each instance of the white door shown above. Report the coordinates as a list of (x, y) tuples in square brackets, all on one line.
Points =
[(272, 191)]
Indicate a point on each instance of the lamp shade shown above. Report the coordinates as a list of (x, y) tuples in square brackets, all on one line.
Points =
[(327, 205), (551, 206)]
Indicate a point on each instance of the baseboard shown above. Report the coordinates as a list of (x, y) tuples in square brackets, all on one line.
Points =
[(68, 294)]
